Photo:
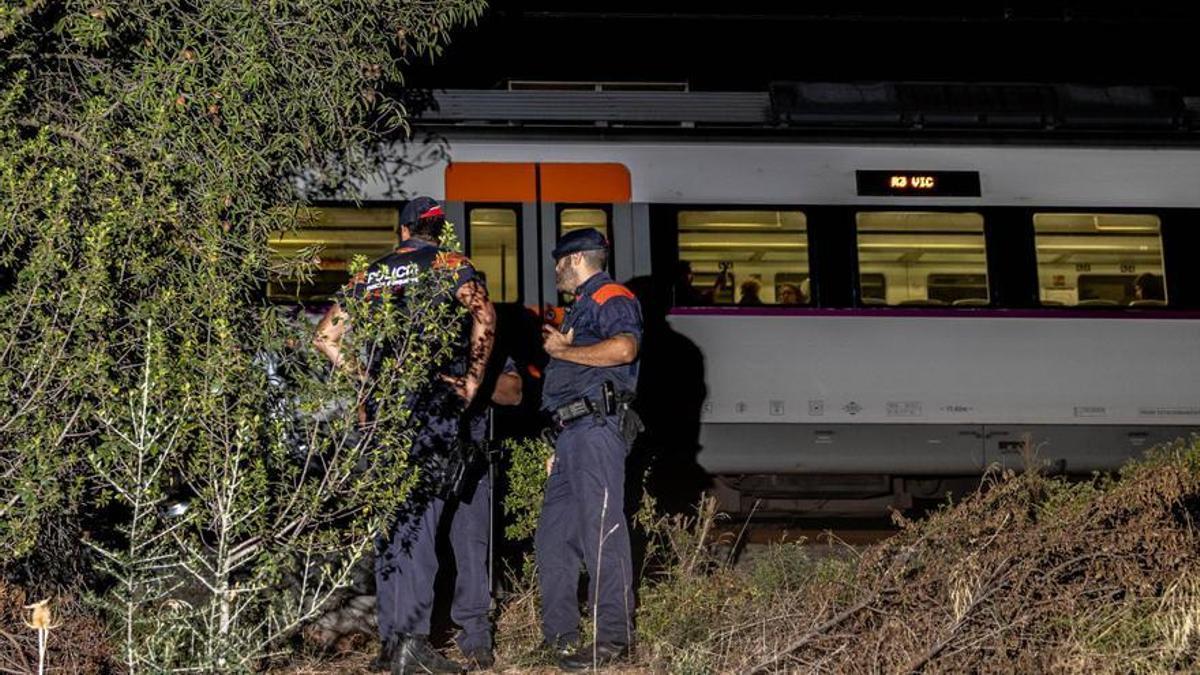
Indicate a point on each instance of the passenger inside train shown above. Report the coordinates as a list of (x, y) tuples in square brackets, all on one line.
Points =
[(1148, 287), (751, 293), (920, 259), (687, 294), (788, 294), (1096, 259), (761, 254)]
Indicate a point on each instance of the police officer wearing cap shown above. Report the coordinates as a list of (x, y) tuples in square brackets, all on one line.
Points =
[(589, 383), (406, 559)]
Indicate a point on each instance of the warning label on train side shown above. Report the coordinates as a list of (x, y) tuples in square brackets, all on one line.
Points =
[(1091, 411), (1170, 411), (957, 409), (904, 409)]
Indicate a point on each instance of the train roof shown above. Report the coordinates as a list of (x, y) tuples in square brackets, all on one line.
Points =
[(924, 111)]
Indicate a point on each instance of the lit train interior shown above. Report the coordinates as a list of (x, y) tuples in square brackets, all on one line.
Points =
[(749, 257), (746, 257), (1093, 259), (924, 258)]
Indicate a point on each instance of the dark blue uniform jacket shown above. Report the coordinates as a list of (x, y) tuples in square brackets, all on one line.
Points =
[(418, 261), (602, 309)]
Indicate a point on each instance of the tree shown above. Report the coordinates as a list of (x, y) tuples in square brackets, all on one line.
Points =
[(148, 149)]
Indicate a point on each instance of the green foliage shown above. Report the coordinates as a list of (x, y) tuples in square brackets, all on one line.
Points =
[(526, 485), (147, 151), (783, 567)]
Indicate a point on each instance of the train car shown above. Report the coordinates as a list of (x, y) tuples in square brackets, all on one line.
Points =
[(863, 321)]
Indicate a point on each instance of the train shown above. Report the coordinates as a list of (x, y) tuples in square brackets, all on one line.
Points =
[(866, 322)]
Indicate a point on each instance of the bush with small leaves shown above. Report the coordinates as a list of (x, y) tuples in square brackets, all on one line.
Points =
[(148, 151)]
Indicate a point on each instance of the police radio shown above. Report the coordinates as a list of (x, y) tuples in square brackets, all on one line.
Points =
[(609, 394)]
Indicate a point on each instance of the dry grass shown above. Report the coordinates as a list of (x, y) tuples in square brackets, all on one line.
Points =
[(76, 636), (1032, 574)]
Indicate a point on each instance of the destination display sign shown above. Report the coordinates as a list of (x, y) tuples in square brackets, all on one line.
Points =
[(912, 183)]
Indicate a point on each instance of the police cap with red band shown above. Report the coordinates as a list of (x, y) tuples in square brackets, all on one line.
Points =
[(420, 208)]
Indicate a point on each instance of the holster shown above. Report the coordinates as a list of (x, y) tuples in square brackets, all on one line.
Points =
[(620, 403), (629, 422), (466, 464)]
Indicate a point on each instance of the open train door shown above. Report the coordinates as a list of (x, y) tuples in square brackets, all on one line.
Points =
[(511, 214)]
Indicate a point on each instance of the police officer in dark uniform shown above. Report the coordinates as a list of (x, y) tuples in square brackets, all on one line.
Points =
[(406, 561), (471, 534), (589, 384)]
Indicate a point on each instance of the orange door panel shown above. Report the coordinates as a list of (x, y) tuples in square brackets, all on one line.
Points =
[(561, 183)]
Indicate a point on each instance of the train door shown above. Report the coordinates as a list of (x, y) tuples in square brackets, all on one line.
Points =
[(510, 215)]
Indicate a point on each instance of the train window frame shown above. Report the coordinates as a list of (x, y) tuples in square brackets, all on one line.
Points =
[(316, 300), (674, 229), (977, 210), (519, 210), (1162, 217)]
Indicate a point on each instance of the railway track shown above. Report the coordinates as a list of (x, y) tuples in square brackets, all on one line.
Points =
[(822, 537)]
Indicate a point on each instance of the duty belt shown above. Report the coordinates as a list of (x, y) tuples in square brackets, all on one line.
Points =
[(613, 402), (572, 411)]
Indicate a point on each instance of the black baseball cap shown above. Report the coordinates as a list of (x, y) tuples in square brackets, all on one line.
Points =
[(418, 208), (587, 239)]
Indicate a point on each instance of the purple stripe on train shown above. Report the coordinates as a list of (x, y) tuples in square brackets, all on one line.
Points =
[(973, 312)]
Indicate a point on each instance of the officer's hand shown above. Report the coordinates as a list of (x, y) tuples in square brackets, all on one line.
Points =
[(549, 464), (555, 342), (462, 386)]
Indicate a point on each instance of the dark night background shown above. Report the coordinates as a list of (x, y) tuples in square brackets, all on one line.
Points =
[(742, 46)]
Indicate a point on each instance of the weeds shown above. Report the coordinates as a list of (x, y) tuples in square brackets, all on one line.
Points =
[(1030, 574), (53, 635)]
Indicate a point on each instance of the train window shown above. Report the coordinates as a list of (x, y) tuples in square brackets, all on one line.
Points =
[(494, 250), (951, 288), (874, 289), (1099, 259), (577, 218), (922, 258), (747, 257), (570, 219), (331, 236)]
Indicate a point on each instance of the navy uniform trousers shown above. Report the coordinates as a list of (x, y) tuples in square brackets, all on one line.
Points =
[(470, 531), (583, 525), (406, 565), (406, 562)]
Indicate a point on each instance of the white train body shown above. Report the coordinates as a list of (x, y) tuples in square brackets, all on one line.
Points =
[(891, 391), (939, 395), (782, 173)]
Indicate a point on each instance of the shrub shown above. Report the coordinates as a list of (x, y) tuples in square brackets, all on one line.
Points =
[(148, 150), (526, 485)]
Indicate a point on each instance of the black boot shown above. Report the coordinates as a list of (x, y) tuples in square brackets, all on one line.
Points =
[(587, 656), (479, 658), (414, 655), (383, 660)]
